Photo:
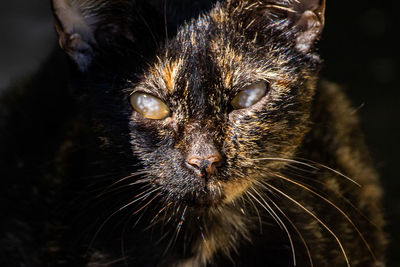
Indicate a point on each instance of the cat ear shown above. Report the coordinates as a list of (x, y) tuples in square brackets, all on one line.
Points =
[(84, 25), (307, 15)]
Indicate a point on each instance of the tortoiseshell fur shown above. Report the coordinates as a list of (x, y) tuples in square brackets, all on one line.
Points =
[(94, 183)]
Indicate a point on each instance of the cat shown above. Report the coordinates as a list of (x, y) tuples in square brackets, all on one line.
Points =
[(186, 133)]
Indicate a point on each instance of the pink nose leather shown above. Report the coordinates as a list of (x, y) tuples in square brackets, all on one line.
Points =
[(207, 165)]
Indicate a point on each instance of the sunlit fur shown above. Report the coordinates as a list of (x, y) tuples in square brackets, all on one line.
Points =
[(295, 186)]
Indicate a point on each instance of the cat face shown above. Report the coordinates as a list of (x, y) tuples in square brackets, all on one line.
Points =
[(228, 92), (232, 87)]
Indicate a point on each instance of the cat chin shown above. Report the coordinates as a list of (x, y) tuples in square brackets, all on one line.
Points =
[(202, 193), (203, 201), (213, 197), (198, 201)]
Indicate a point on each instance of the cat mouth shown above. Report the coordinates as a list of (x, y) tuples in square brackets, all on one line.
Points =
[(197, 192), (203, 199), (216, 194)]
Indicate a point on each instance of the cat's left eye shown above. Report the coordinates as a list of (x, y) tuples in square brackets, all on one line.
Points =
[(249, 95), (149, 106)]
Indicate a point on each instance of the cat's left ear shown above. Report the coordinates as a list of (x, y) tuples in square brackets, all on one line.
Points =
[(307, 15), (84, 26)]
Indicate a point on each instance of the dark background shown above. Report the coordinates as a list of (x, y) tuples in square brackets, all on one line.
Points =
[(359, 46)]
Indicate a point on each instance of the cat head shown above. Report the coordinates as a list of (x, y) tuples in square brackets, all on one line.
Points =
[(231, 88)]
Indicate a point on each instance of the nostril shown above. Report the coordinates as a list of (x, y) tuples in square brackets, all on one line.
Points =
[(196, 162), (214, 159), (206, 165)]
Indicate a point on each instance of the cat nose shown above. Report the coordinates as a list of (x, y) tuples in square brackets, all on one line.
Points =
[(206, 165)]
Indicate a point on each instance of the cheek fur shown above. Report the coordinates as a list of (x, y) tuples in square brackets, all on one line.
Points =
[(273, 127)]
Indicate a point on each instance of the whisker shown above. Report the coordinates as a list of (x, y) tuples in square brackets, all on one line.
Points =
[(118, 210), (113, 262), (283, 8), (106, 190), (148, 203), (336, 207), (303, 177), (140, 198), (358, 211), (316, 218), (333, 170), (311, 166), (120, 189), (268, 208), (123, 236), (100, 228), (166, 22), (295, 168), (140, 217), (296, 229), (289, 160), (256, 209), (269, 212), (149, 29), (129, 176), (163, 236), (177, 229), (146, 190), (203, 237), (160, 211)]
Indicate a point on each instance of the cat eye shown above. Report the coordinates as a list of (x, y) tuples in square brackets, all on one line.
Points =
[(149, 106), (249, 95)]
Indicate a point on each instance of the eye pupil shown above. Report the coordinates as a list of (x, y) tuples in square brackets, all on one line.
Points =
[(249, 96), (149, 106)]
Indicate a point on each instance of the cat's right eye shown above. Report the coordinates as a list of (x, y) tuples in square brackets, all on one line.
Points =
[(149, 106)]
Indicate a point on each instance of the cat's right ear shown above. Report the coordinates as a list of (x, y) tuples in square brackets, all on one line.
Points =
[(84, 25)]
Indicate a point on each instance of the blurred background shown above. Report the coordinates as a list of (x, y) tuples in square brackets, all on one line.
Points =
[(360, 48)]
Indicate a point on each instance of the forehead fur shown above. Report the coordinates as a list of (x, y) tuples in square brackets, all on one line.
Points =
[(220, 50), (162, 76)]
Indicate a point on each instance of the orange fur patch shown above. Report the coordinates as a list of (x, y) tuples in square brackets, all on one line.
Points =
[(235, 189), (168, 77), (170, 72)]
